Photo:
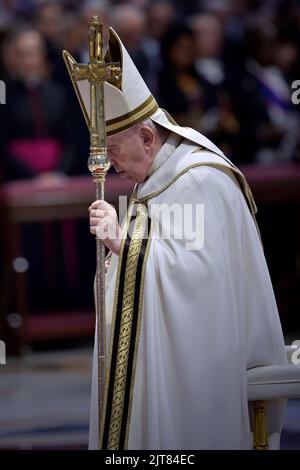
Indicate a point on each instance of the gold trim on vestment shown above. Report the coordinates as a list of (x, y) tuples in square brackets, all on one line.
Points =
[(125, 329), (124, 235), (203, 149), (244, 186), (115, 424), (245, 189), (138, 333)]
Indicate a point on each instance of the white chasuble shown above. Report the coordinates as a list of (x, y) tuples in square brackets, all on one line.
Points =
[(205, 313)]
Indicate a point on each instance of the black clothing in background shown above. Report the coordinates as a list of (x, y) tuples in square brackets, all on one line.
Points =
[(38, 112)]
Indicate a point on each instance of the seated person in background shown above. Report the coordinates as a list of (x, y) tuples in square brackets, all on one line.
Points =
[(181, 90), (37, 142), (36, 128)]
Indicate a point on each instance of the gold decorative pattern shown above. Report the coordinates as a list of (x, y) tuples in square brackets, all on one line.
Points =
[(138, 333), (203, 149), (260, 431), (125, 329), (124, 337), (242, 182), (124, 235), (127, 120)]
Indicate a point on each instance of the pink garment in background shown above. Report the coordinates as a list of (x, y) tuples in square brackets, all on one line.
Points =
[(39, 154)]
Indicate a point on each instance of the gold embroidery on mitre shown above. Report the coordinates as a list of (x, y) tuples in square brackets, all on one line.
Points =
[(139, 114)]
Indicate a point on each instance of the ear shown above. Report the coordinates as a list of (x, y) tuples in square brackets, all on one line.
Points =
[(147, 135)]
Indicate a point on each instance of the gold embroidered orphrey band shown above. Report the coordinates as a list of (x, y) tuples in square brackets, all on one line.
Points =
[(125, 332)]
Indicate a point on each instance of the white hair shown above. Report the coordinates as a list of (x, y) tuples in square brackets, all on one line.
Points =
[(161, 131)]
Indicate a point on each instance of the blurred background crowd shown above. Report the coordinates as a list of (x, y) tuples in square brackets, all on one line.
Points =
[(223, 67)]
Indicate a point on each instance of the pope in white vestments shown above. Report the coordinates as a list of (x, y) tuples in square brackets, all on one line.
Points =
[(189, 301)]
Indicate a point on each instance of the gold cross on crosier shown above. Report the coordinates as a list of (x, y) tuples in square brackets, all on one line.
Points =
[(96, 72)]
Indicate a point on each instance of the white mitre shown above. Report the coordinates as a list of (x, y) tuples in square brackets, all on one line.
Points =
[(130, 102)]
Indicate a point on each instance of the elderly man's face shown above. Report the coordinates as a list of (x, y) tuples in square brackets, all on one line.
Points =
[(132, 152)]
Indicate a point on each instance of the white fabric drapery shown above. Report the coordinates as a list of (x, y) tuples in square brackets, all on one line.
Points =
[(208, 315)]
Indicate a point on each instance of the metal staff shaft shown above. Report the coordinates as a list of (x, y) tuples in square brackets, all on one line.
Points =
[(100, 259), (99, 180), (100, 312), (98, 165), (96, 73)]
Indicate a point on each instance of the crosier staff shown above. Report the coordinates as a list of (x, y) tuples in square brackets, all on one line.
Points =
[(97, 71)]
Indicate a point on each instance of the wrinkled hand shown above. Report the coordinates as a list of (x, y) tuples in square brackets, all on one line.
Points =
[(104, 224)]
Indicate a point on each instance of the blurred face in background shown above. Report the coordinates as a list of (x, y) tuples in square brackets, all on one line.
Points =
[(8, 58), (262, 45), (130, 24), (286, 56), (160, 16), (29, 55), (181, 52), (49, 21), (208, 36)]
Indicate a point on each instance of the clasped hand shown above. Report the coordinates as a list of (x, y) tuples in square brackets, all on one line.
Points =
[(104, 224)]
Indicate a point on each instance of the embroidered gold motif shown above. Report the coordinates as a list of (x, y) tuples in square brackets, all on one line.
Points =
[(125, 328), (124, 233), (239, 176)]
